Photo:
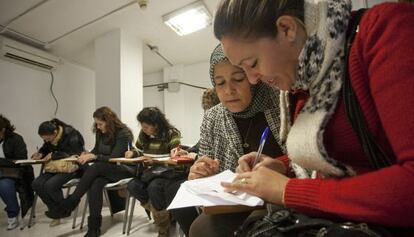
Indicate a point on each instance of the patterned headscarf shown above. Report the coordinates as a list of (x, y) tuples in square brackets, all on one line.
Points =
[(220, 136)]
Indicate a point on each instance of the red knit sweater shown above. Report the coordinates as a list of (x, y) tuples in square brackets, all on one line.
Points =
[(381, 68)]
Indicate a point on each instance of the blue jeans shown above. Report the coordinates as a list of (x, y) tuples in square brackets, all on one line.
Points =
[(9, 197)]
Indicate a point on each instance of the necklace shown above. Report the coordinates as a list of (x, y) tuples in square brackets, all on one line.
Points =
[(245, 144)]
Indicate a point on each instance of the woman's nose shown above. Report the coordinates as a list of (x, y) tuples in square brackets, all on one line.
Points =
[(252, 76)]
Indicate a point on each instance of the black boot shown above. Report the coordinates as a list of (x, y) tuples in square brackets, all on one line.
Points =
[(64, 209), (94, 226)]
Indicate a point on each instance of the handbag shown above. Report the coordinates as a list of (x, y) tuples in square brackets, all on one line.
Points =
[(61, 166), (158, 171), (285, 222)]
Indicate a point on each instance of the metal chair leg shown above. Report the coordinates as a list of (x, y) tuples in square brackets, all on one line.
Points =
[(84, 211), (75, 215), (32, 211), (127, 198), (131, 215)]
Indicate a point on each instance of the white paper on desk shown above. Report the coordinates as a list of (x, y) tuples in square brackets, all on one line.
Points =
[(209, 192), (157, 155), (125, 159), (27, 161)]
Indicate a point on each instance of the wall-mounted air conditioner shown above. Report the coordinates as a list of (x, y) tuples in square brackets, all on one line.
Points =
[(26, 55)]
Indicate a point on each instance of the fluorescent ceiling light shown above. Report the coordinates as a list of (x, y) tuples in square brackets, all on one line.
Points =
[(188, 19)]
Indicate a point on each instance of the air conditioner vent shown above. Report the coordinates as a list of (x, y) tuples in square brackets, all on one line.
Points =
[(26, 60), (23, 54)]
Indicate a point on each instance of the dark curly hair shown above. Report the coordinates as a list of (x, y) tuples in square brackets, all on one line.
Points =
[(113, 123), (5, 123), (154, 117), (209, 98), (49, 127)]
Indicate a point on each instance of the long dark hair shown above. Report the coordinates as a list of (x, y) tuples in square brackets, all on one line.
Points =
[(49, 127), (113, 123), (154, 117), (5, 123)]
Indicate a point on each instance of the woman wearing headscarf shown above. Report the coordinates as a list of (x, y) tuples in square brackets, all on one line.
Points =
[(231, 129)]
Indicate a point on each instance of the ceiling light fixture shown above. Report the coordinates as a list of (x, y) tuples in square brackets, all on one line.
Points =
[(188, 19)]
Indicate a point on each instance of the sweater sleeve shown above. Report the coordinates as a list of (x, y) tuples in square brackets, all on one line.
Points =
[(175, 140), (383, 196)]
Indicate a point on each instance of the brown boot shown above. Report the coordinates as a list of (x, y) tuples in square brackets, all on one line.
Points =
[(162, 220), (147, 206)]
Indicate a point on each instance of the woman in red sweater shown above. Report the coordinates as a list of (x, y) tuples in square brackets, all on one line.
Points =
[(298, 47)]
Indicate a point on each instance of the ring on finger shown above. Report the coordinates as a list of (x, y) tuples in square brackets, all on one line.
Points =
[(243, 181)]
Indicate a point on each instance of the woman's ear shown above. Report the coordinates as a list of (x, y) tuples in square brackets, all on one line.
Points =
[(287, 28)]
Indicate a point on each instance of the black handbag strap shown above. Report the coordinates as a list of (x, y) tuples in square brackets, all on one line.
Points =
[(376, 155)]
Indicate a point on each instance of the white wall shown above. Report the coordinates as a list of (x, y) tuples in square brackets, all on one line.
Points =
[(26, 100), (153, 97), (183, 108)]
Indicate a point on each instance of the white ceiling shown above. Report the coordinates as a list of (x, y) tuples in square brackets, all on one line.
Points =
[(54, 18)]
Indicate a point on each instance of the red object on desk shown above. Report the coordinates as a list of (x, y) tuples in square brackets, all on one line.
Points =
[(182, 159)]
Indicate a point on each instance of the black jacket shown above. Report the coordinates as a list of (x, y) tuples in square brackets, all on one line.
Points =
[(14, 148), (104, 151), (71, 143)]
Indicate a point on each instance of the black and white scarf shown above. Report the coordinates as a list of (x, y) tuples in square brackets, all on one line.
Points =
[(220, 137), (319, 71)]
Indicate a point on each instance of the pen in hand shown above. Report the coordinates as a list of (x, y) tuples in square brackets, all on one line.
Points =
[(261, 145)]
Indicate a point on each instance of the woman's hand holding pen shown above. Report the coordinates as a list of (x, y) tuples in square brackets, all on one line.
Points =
[(203, 167), (262, 182), (36, 156), (86, 157), (129, 154), (246, 162), (178, 151)]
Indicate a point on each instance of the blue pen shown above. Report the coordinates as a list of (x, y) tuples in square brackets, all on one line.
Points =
[(261, 145)]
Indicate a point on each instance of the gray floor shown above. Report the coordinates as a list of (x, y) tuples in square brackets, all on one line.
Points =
[(111, 226)]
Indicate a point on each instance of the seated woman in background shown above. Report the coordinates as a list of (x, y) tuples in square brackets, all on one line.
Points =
[(112, 139), (13, 147), (60, 141), (157, 136), (228, 131), (185, 216)]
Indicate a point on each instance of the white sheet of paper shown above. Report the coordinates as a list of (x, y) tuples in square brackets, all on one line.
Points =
[(125, 159), (157, 155), (209, 192), (27, 162)]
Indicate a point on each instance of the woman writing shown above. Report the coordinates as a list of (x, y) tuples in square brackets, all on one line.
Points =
[(231, 129), (112, 139), (284, 44), (60, 141), (157, 136)]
